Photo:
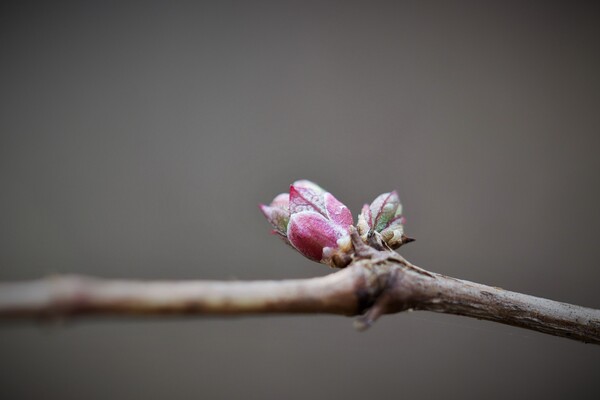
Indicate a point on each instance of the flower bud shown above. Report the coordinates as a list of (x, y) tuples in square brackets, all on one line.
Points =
[(383, 216), (315, 223)]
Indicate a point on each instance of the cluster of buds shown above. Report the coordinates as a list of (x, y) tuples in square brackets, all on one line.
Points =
[(318, 225)]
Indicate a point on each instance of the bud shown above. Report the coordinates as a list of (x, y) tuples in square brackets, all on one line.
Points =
[(383, 216), (315, 223)]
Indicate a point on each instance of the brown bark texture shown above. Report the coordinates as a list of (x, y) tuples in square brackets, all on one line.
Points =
[(375, 283)]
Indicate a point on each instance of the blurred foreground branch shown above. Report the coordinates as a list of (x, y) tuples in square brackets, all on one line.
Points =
[(372, 285)]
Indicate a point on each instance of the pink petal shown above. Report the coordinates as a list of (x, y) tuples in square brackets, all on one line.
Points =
[(306, 199), (309, 232), (306, 184), (337, 211), (281, 200), (266, 210)]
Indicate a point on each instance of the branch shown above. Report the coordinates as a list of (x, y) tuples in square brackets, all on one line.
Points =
[(80, 296), (373, 284)]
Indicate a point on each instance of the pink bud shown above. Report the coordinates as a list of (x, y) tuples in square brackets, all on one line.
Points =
[(316, 223)]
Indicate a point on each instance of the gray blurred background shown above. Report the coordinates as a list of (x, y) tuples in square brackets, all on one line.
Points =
[(137, 138)]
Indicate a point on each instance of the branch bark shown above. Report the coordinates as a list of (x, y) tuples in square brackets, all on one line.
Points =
[(373, 284)]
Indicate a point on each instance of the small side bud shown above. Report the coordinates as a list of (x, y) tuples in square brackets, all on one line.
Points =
[(384, 217)]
